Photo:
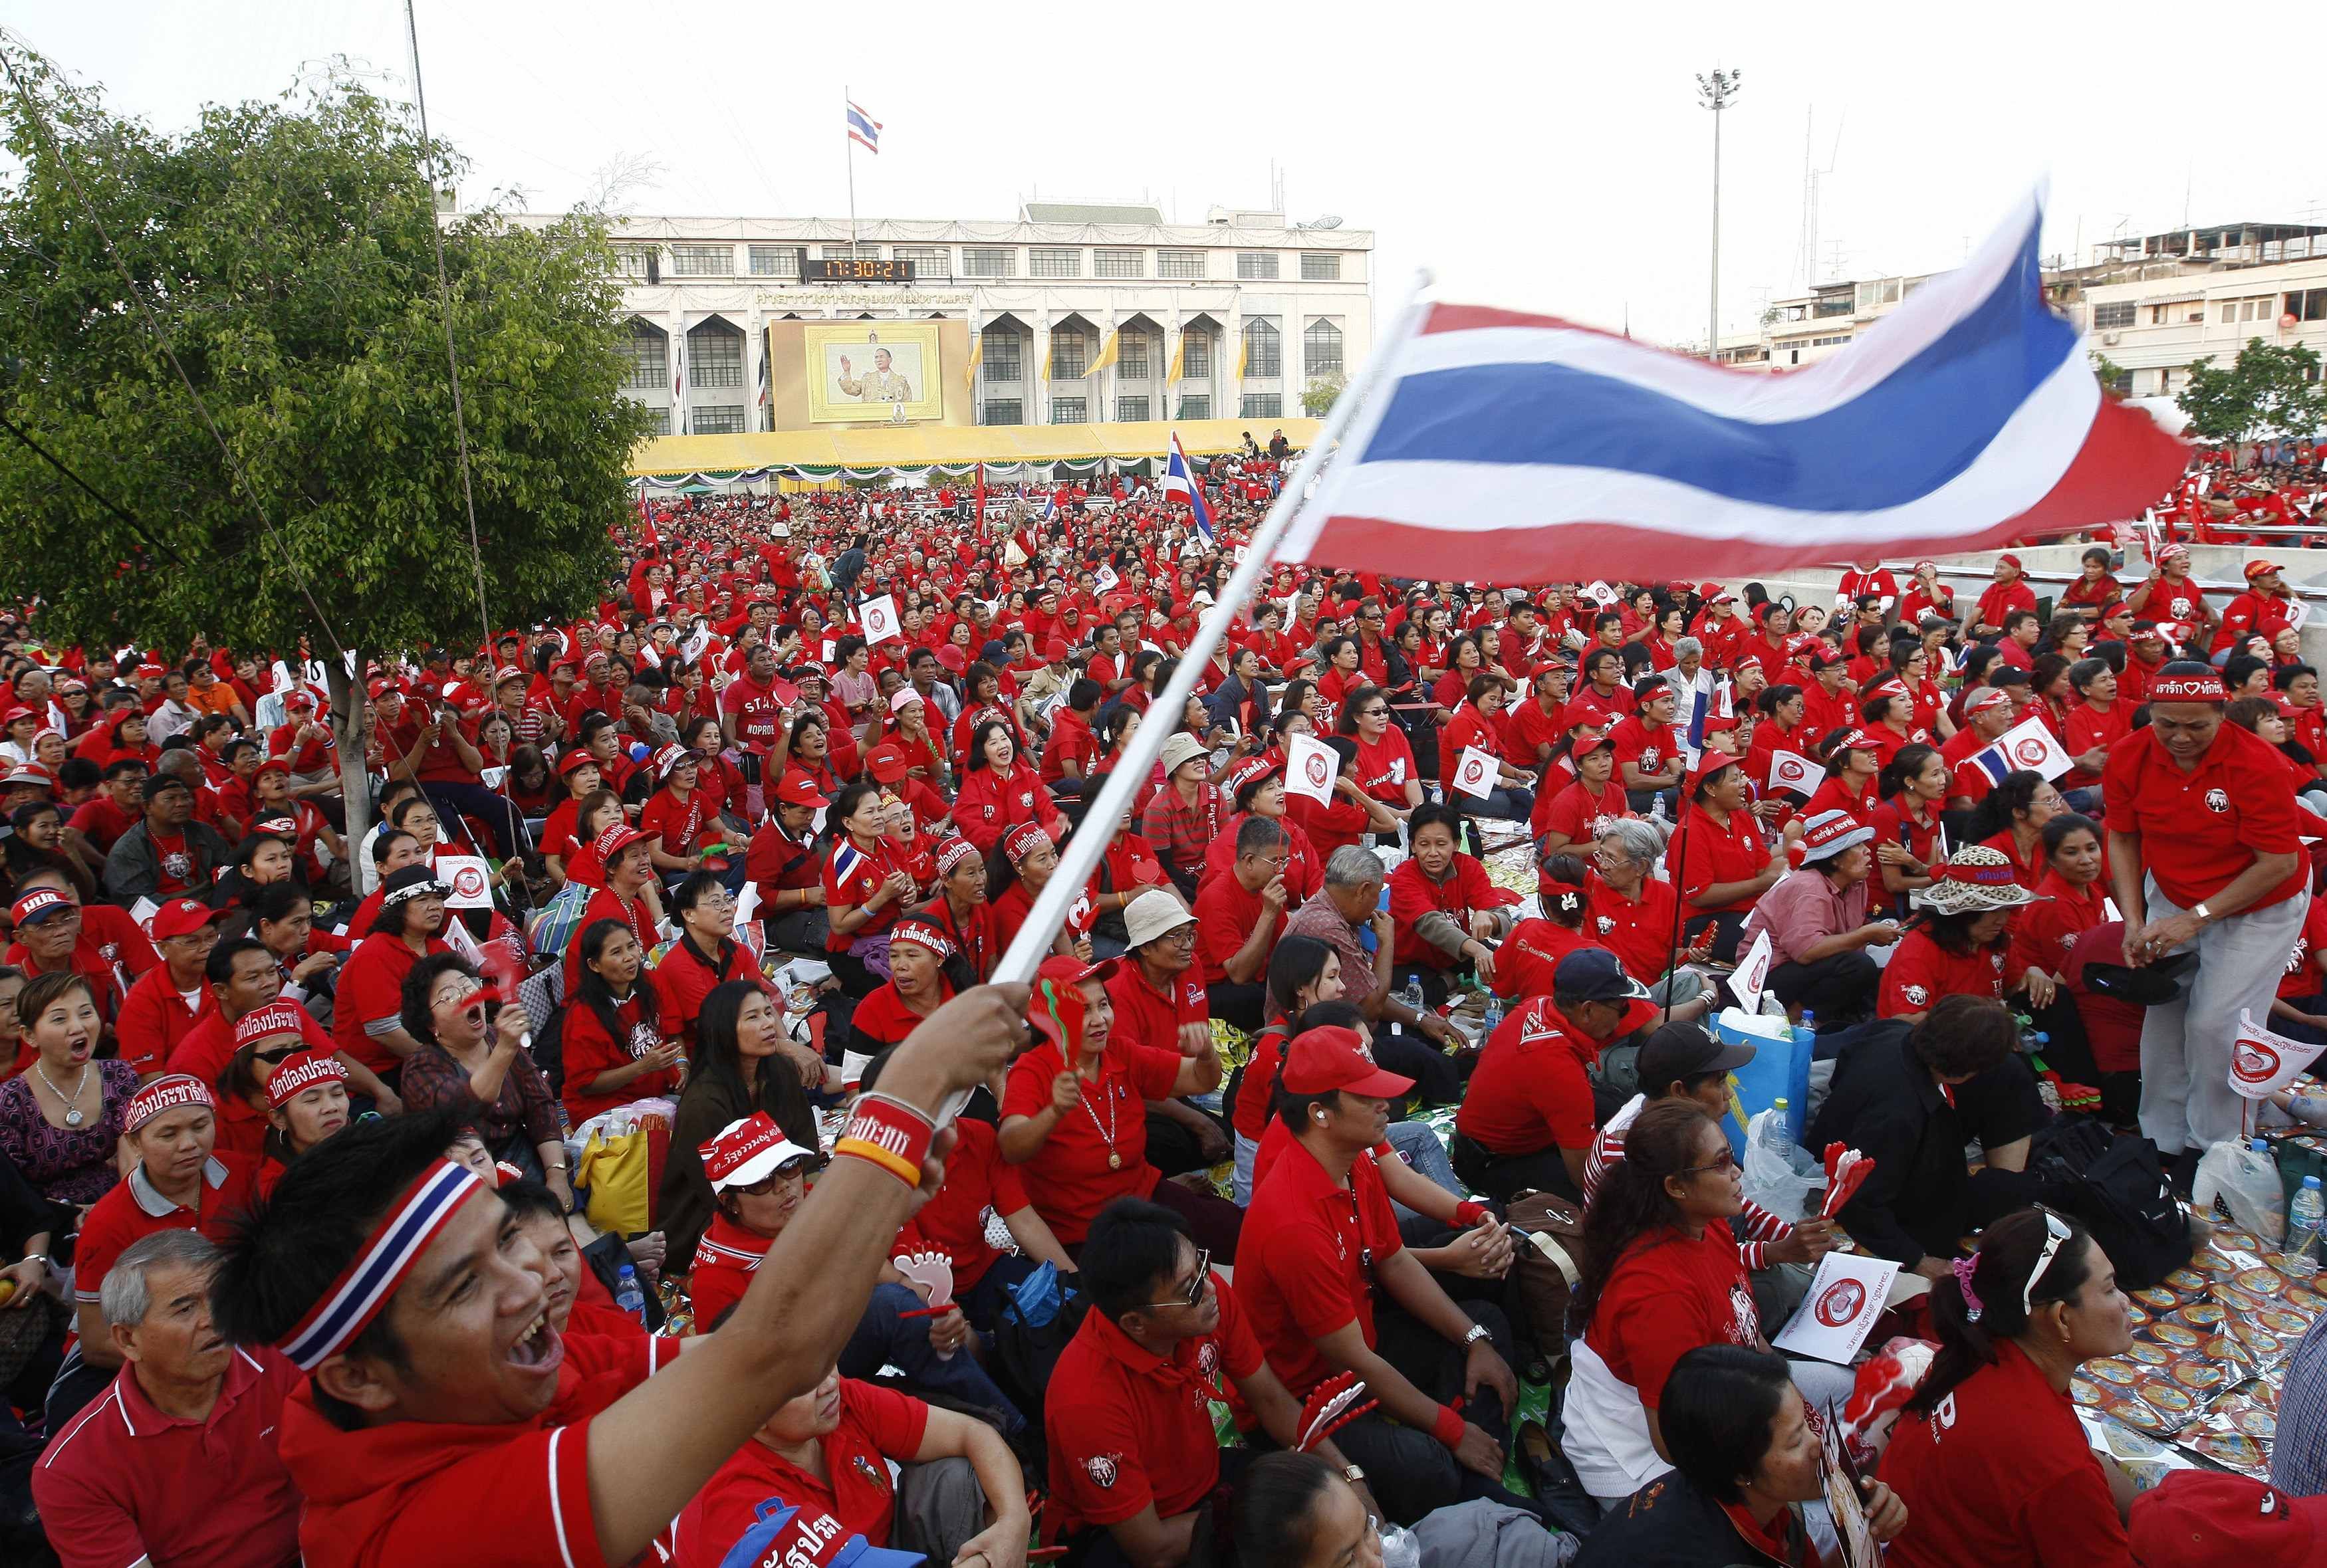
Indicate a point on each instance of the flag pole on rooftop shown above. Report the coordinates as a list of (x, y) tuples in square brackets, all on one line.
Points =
[(1081, 854)]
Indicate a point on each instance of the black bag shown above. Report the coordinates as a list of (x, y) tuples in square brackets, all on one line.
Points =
[(1025, 1355), (548, 1051), (2114, 1185)]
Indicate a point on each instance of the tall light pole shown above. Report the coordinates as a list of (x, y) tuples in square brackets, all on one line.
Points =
[(1715, 92)]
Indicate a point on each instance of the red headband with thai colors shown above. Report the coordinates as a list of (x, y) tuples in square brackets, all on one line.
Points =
[(167, 1093), (952, 853), (363, 1289), (2188, 688)]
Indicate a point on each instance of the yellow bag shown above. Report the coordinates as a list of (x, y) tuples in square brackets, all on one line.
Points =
[(621, 1174)]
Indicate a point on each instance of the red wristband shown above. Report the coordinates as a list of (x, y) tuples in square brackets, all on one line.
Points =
[(893, 1126), (1467, 1213), (1449, 1430)]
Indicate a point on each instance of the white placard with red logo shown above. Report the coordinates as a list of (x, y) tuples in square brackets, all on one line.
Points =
[(469, 878), (1752, 971), (1845, 1296), (2263, 1063), (1310, 769), (1106, 581), (2029, 746), (880, 618), (1600, 593), (1793, 771), (1476, 773)]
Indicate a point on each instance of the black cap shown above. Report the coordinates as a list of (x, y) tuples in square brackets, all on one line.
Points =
[(1594, 975), (157, 782), (1682, 1050)]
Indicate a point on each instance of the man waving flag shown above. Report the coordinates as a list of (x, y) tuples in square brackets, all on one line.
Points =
[(1964, 419), (1180, 479)]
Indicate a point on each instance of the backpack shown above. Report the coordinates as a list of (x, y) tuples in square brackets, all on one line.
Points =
[(2114, 1185), (1544, 1268)]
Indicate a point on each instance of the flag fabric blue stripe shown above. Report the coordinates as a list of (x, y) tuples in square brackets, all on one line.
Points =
[(1873, 451), (1993, 763)]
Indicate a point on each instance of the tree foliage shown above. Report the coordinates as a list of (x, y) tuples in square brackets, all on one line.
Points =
[(284, 251), (1317, 398), (2266, 392)]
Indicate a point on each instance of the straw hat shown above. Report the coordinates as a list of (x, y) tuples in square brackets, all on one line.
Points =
[(1976, 878)]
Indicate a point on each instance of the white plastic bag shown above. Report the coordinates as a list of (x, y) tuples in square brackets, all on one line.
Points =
[(2247, 1183), (1779, 1174)]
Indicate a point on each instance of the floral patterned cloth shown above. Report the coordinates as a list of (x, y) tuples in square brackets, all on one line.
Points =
[(67, 1164)]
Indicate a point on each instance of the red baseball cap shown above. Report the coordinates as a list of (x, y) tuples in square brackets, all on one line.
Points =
[(181, 918), (573, 761), (2196, 1518), (799, 790), (616, 838), (1332, 1057), (2257, 568), (40, 905), (886, 763)]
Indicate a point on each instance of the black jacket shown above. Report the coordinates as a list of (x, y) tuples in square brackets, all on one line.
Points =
[(1670, 1524), (1886, 1104)]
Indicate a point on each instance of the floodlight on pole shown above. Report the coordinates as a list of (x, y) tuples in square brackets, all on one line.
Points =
[(1717, 92)]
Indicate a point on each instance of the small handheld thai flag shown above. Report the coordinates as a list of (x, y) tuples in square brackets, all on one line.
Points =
[(864, 129), (2027, 746), (1180, 479), (1051, 510)]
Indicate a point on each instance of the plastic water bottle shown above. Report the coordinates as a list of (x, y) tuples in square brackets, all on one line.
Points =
[(1412, 995), (2303, 1220), (1491, 1020), (1399, 1549), (1657, 809), (627, 1294)]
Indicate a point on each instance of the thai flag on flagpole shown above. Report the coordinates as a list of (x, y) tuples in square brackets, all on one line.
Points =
[(864, 129), (1965, 418), (1180, 479)]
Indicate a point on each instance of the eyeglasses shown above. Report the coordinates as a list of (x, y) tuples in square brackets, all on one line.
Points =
[(1728, 1162), (1195, 1285), (2056, 1232), (790, 1170), (1375, 714)]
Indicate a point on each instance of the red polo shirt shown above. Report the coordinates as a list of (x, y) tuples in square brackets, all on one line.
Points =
[(2199, 829), (125, 1483), (515, 1493), (1921, 972), (684, 979), (1999, 1472), (136, 1209), (371, 993), (1665, 1296), (1638, 930), (1525, 963), (1068, 1177), (1127, 1427), (1226, 914), (1148, 1017), (1530, 1090), (876, 1425), (1714, 853), (1309, 1247), (154, 1018)]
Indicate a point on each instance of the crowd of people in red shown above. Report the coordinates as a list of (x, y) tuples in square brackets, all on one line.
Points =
[(290, 1118)]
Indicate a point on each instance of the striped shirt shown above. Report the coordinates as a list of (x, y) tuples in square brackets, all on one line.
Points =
[(1755, 1229)]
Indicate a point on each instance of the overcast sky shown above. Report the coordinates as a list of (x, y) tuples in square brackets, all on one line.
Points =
[(1548, 156)]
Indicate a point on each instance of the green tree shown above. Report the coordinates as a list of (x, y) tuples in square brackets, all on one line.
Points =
[(2266, 392), (2112, 376), (262, 429), (1317, 398)]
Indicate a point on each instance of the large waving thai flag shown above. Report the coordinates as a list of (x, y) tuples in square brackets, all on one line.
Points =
[(1180, 479), (1544, 451)]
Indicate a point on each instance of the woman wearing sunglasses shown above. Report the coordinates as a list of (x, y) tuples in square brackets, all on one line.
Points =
[(472, 1060), (1989, 1456), (1661, 1276)]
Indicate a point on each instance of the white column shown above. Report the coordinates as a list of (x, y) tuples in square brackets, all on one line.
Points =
[(677, 347), (976, 334), (1227, 402)]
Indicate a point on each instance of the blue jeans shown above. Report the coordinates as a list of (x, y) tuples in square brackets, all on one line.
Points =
[(885, 1337), (1508, 803)]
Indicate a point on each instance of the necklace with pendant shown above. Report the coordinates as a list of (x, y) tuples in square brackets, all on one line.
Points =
[(73, 1118), (1107, 1133)]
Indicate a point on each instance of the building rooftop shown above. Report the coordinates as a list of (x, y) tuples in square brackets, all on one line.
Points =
[(1090, 212)]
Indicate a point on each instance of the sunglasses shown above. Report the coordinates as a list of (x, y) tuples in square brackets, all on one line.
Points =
[(1728, 1162), (790, 1170), (2056, 1233), (1195, 1293)]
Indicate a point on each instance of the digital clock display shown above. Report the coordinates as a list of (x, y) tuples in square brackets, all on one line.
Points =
[(856, 269)]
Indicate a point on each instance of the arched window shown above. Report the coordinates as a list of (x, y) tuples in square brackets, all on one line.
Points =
[(715, 354), (1263, 352), (1321, 347), (650, 354)]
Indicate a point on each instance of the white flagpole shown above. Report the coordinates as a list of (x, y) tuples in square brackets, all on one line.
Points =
[(848, 107), (1081, 856)]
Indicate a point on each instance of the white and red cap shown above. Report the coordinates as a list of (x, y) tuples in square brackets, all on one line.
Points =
[(300, 1073), (1321, 1060), (39, 905), (614, 838), (167, 1093), (1829, 833), (1987, 697), (748, 1151)]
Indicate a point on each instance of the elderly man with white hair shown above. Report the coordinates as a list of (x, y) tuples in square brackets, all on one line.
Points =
[(177, 1462), (1348, 914)]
